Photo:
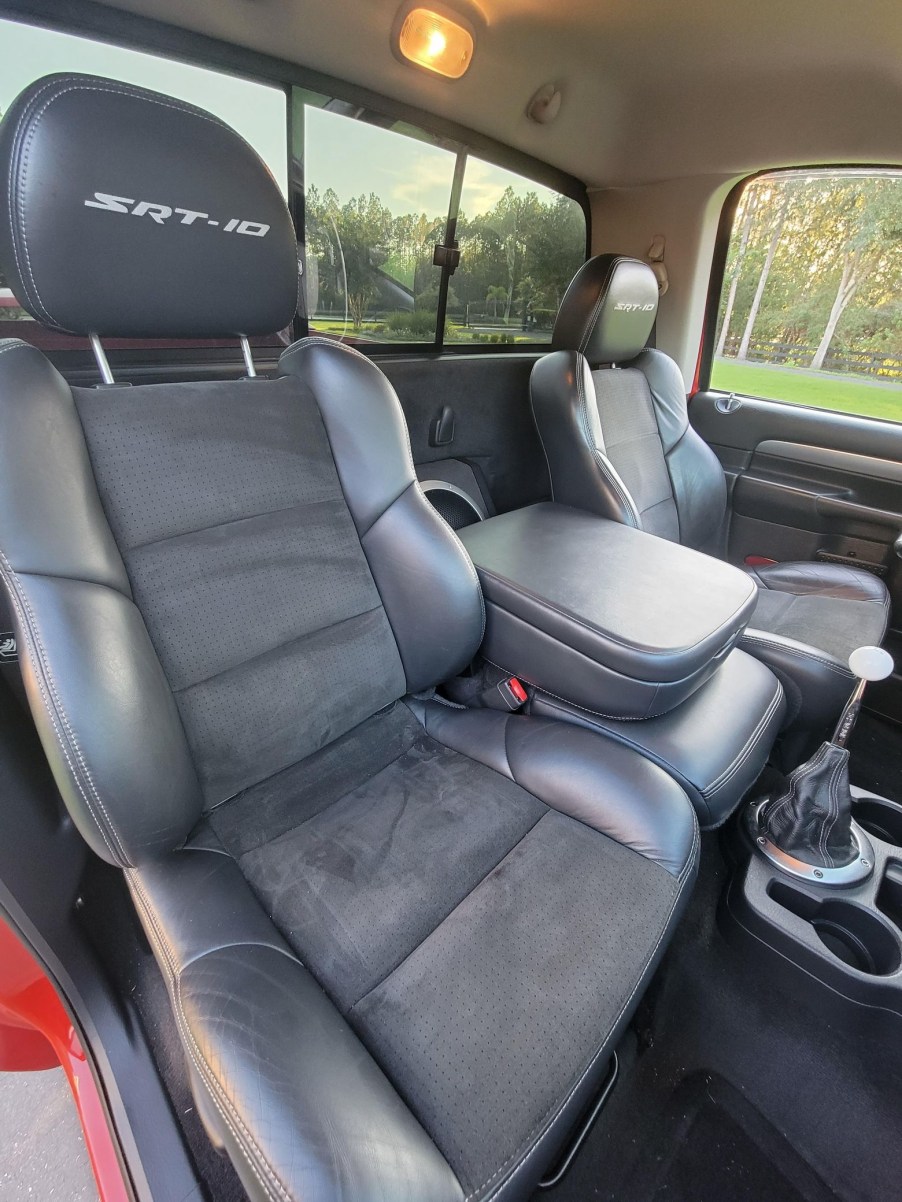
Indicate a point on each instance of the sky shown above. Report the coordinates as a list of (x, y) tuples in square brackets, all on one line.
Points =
[(348, 156)]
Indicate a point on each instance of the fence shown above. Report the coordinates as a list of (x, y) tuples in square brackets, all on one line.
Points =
[(793, 354)]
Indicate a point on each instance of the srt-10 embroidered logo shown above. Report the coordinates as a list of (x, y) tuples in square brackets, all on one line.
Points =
[(625, 307), (161, 213)]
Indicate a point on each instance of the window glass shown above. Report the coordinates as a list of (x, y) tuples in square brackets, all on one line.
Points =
[(520, 246), (376, 204), (256, 110), (811, 305)]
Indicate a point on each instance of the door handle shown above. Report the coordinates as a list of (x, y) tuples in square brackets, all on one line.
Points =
[(728, 404)]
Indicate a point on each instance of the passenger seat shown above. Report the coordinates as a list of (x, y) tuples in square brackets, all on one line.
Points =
[(613, 419), (400, 938)]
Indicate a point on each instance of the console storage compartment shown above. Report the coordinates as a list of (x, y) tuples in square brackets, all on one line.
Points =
[(609, 618)]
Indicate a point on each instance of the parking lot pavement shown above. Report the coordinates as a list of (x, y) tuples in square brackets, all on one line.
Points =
[(42, 1153)]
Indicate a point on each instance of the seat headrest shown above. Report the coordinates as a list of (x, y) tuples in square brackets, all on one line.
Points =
[(608, 310), (137, 216)]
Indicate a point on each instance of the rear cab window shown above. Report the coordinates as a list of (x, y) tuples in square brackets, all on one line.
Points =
[(810, 308), (410, 238), (407, 238)]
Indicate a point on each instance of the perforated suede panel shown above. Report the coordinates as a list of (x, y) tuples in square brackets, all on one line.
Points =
[(833, 624), (247, 568), (544, 970), (633, 445), (455, 919), (358, 884)]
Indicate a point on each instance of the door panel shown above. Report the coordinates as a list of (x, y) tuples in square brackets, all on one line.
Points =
[(808, 483)]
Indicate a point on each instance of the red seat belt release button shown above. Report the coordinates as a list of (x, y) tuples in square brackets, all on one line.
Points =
[(514, 693)]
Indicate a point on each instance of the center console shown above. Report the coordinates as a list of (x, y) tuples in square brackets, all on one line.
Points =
[(634, 636), (818, 880), (602, 614), (847, 937)]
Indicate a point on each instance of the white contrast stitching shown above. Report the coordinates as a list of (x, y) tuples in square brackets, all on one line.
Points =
[(468, 563), (751, 636), (30, 628), (727, 775), (197, 1056), (35, 118)]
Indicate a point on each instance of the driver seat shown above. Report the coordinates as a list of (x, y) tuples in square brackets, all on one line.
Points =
[(613, 419)]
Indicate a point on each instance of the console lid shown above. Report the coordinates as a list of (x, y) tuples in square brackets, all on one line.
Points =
[(601, 614)]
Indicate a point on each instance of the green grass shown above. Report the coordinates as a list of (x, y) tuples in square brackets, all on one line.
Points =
[(457, 334), (825, 390)]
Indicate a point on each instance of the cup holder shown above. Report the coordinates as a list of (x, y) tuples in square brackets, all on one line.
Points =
[(889, 895), (880, 818), (853, 935)]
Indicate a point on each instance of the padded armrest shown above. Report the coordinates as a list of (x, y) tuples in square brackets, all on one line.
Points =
[(602, 614)]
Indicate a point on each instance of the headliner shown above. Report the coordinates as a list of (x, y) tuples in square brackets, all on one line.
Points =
[(653, 89)]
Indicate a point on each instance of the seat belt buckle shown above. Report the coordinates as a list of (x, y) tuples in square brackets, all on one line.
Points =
[(511, 694)]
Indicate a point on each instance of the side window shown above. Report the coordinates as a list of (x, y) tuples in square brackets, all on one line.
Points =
[(376, 204), (520, 246), (811, 304), (258, 111)]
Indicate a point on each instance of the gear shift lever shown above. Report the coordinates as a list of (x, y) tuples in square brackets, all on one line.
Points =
[(867, 663), (807, 827)]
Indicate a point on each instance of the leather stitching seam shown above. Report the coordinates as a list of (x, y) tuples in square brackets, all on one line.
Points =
[(54, 708)]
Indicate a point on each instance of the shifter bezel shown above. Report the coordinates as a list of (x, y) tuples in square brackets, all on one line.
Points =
[(857, 870)]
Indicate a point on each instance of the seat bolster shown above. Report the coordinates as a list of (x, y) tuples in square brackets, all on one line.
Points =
[(742, 702), (817, 684), (579, 773), (696, 474), (825, 579), (426, 580), (289, 1090), (565, 409)]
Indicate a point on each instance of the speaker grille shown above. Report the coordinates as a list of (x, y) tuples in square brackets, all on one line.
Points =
[(453, 505)]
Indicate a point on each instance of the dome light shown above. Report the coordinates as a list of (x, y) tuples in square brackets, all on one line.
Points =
[(436, 42)]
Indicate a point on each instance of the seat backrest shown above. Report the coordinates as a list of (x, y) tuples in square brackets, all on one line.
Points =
[(210, 580), (612, 415)]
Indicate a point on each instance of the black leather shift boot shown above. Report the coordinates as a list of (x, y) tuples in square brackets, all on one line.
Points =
[(811, 817)]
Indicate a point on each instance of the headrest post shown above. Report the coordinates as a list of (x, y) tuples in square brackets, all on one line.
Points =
[(103, 364), (248, 357)]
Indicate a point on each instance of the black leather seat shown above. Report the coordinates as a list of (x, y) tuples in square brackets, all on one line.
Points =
[(400, 938), (613, 419)]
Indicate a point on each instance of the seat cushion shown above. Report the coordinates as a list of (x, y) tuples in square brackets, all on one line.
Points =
[(828, 606), (474, 925), (743, 701)]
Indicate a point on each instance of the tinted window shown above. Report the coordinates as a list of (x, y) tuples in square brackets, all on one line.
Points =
[(811, 306), (520, 246), (376, 205), (381, 197)]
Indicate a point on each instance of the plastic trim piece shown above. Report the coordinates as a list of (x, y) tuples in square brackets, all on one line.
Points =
[(852, 873)]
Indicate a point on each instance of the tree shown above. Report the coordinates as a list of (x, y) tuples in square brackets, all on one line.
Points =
[(762, 278), (354, 240), (749, 204), (872, 225), (495, 295)]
